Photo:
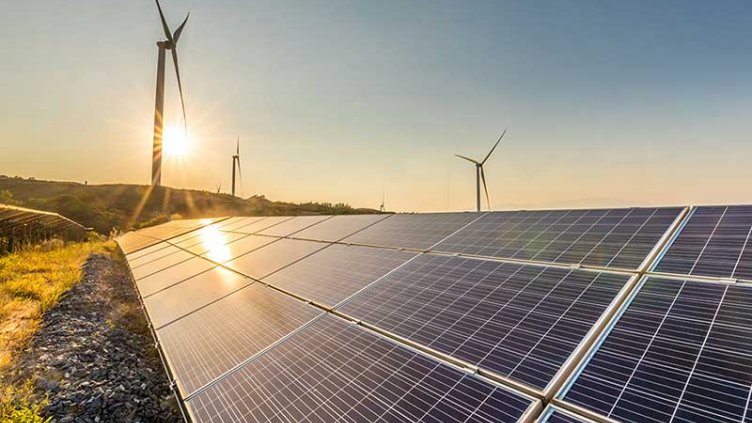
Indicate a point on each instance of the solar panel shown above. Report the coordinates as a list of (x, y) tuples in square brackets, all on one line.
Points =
[(335, 371), (618, 238), (263, 261), (145, 251), (557, 415), (237, 221), (144, 238), (222, 253), (172, 275), (256, 225), (414, 231), (339, 227), (519, 321), (133, 242), (186, 297), (716, 242), (202, 346), (154, 252), (162, 263), (679, 352), (337, 272), (291, 226)]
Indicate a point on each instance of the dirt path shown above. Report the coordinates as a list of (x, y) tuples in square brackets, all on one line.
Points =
[(93, 356)]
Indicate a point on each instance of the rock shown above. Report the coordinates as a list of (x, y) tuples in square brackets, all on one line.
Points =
[(88, 365)]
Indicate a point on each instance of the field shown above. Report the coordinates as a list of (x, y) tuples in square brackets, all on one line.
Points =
[(123, 207), (32, 281)]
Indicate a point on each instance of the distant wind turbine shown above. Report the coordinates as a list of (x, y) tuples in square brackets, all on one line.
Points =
[(480, 174), (236, 158), (381, 207), (169, 44)]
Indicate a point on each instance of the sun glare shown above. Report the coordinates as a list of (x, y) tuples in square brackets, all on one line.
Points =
[(175, 143)]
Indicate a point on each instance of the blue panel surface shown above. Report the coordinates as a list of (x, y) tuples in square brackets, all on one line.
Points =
[(335, 371), (520, 321), (680, 352), (618, 238), (716, 242)]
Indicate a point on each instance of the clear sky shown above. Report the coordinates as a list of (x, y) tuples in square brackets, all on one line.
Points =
[(607, 103)]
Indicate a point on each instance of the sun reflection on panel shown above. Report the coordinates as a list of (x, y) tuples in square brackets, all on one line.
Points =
[(215, 243)]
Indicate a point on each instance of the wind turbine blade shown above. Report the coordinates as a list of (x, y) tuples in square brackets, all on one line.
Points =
[(485, 187), (179, 31), (164, 24), (467, 158), (180, 85), (237, 148), (240, 174), (494, 147)]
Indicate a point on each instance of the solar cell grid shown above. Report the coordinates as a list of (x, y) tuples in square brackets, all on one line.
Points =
[(159, 264), (293, 225), (715, 242), (337, 272), (164, 249), (339, 227), (133, 242), (413, 231), (617, 238), (520, 321), (335, 371), (273, 256), (256, 225), (173, 303), (680, 352), (146, 251), (172, 275), (208, 343), (224, 252)]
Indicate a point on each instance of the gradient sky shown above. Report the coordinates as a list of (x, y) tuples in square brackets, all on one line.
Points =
[(607, 103)]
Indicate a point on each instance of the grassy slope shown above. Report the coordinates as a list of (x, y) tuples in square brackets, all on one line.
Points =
[(32, 281), (104, 207)]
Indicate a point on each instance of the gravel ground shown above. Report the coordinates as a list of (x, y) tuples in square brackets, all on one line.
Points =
[(93, 356)]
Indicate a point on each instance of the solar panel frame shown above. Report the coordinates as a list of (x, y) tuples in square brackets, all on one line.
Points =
[(554, 414), (319, 378), (681, 338)]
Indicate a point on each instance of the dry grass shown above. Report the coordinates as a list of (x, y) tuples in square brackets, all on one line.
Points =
[(31, 282)]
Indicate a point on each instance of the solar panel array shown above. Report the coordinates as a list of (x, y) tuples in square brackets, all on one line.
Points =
[(624, 314)]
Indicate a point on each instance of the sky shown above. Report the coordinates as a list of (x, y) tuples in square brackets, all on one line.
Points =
[(607, 103)]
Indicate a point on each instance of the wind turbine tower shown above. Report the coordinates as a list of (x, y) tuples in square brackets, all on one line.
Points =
[(480, 174), (236, 158), (169, 44)]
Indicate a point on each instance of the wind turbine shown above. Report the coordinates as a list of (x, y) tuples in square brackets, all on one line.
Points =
[(236, 157), (169, 44), (381, 207), (479, 174)]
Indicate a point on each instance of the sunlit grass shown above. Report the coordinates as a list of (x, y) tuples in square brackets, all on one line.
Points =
[(31, 282)]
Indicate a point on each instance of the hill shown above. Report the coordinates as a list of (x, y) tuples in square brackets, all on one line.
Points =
[(124, 207)]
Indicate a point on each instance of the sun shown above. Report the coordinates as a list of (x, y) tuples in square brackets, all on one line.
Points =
[(175, 142)]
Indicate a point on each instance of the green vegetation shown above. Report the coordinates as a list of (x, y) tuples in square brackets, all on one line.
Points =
[(124, 207), (31, 282)]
